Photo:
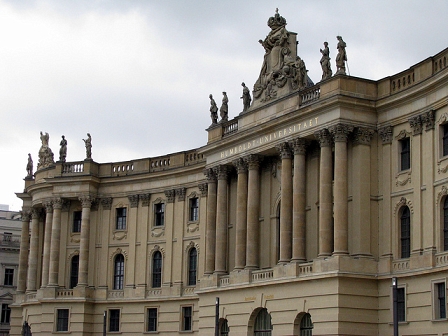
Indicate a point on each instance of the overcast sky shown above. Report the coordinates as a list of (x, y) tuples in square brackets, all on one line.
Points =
[(137, 74)]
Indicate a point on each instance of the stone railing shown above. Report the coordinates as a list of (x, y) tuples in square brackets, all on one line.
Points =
[(193, 157), (402, 81), (30, 297), (160, 163), (122, 167), (230, 127), (64, 293), (305, 269), (72, 167), (262, 275), (9, 240), (224, 281), (309, 95), (188, 291), (401, 265), (153, 292), (442, 259), (115, 294)]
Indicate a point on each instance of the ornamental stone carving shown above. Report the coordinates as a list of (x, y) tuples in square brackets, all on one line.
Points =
[(416, 125), (203, 188), (26, 215), (145, 198), (324, 137), (284, 150), (404, 202), (58, 203), (180, 193), (46, 156), (170, 195), (222, 172), (362, 136), (253, 161), (240, 165), (48, 206), (29, 166), (325, 62), (386, 134), (106, 203), (298, 146), (210, 174), (340, 132), (86, 201), (213, 110), (428, 118), (133, 200)]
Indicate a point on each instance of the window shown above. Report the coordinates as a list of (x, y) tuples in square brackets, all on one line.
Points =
[(121, 219), (9, 277), (157, 269), (159, 210), (405, 154), (445, 140), (152, 319), (224, 328), (77, 216), (401, 304), (445, 225), (114, 319), (263, 325), (187, 318), (62, 320), (440, 300), (118, 272), (192, 266), (74, 270), (7, 236), (6, 314), (194, 209), (306, 325), (405, 237)]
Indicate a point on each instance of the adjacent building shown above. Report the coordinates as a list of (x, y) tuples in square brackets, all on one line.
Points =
[(296, 214)]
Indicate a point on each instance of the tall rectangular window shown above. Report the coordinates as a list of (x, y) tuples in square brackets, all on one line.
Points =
[(405, 233), (194, 209), (77, 216), (187, 318), (445, 140), (6, 314), (114, 320), (74, 271), (401, 305), (405, 154), (121, 219), (440, 300), (152, 319), (62, 320), (9, 277), (159, 211)]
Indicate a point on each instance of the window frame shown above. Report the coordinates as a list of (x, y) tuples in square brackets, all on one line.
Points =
[(193, 215), (156, 272), (74, 275), (159, 214), (8, 279), (76, 223), (192, 268), (187, 318), (121, 218), (154, 319), (439, 299), (401, 303), (116, 320), (444, 139), (5, 317), (405, 153), (118, 278), (405, 232), (444, 226), (62, 323)]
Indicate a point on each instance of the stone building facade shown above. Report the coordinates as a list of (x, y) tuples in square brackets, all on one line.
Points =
[(296, 214)]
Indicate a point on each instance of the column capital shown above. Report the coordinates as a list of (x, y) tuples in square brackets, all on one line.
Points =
[(58, 203), (416, 125), (362, 135), (203, 188), (170, 195), (324, 137), (222, 172), (240, 165), (386, 134), (428, 119), (106, 202), (48, 206), (26, 215), (253, 161), (340, 132), (284, 150), (210, 174), (133, 199), (145, 199), (180, 193), (298, 146), (86, 200), (35, 213)]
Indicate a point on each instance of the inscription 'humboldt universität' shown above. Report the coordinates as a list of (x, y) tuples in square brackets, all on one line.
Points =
[(264, 139)]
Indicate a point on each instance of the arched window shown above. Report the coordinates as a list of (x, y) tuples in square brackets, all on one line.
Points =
[(192, 266), (306, 325), (263, 325), (223, 327), (118, 271), (157, 269), (405, 233), (445, 224), (74, 271)]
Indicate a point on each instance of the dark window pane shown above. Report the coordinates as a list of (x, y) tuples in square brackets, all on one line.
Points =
[(74, 271), (77, 216), (114, 320), (9, 277), (152, 319), (192, 267), (401, 305), (157, 269), (441, 300), (6, 314), (187, 318), (405, 153), (445, 225), (445, 140), (194, 209), (405, 233), (121, 219), (119, 272), (263, 325), (62, 322), (159, 210)]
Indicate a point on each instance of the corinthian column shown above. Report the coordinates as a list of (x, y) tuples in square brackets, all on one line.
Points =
[(33, 255), (286, 203), (253, 210), (340, 133), (241, 214), (55, 243), (325, 194), (210, 235), (221, 220), (299, 201), (47, 242), (24, 251), (86, 203)]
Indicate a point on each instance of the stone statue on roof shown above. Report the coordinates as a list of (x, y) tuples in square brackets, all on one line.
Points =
[(245, 97), (213, 110), (325, 62), (341, 58), (224, 110), (29, 166), (88, 143), (63, 149), (46, 156)]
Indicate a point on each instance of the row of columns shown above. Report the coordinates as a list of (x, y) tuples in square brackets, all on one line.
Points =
[(29, 251), (333, 201)]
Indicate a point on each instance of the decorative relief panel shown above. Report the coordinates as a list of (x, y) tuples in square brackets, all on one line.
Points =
[(403, 201), (443, 192), (119, 235), (158, 231), (119, 251), (403, 178)]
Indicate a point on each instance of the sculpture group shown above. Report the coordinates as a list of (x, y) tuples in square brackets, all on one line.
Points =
[(282, 70)]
